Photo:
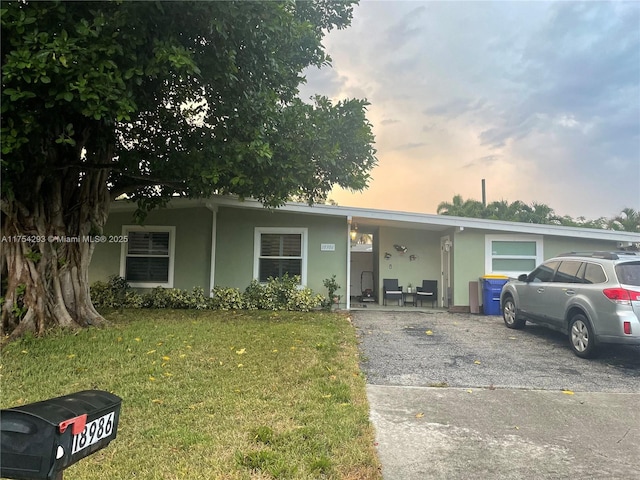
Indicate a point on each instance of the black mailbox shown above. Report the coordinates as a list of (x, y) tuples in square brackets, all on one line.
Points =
[(41, 439)]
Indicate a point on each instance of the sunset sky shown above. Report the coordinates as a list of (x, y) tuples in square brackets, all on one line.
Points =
[(541, 99)]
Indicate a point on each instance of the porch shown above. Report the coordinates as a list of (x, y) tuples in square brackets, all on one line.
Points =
[(392, 306)]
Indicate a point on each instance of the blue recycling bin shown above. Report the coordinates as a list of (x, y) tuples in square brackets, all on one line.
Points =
[(491, 289)]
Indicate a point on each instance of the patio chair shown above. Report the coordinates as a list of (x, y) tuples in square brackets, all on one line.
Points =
[(391, 289), (427, 292)]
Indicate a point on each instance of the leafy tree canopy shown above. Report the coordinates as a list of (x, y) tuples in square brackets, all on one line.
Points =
[(187, 98)]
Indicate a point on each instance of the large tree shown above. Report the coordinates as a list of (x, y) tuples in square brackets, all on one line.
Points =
[(153, 100)]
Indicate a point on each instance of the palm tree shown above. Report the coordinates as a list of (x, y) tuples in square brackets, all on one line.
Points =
[(628, 221), (454, 208), (544, 214), (498, 210), (520, 212), (462, 208)]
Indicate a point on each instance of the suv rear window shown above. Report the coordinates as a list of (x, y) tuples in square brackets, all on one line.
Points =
[(629, 273), (594, 273)]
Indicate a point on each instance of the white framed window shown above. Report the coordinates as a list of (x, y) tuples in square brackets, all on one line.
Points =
[(512, 255), (278, 251), (147, 258)]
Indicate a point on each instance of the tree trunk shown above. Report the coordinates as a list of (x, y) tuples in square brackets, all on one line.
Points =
[(47, 244)]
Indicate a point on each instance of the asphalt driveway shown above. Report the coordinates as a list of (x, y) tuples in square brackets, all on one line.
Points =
[(456, 396)]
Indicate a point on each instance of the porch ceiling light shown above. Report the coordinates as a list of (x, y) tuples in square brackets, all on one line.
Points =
[(354, 232)]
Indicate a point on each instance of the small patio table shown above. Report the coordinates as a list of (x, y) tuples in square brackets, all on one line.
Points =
[(409, 297)]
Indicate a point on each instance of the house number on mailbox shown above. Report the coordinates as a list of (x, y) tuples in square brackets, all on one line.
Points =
[(93, 432)]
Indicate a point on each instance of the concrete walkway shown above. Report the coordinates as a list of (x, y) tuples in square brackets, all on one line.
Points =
[(456, 433)]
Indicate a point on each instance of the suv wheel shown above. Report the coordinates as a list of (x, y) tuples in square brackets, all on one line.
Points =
[(509, 315), (581, 338)]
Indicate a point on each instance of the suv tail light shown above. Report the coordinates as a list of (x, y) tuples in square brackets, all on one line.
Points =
[(621, 295)]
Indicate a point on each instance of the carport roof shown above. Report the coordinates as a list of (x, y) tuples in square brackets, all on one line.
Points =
[(366, 217)]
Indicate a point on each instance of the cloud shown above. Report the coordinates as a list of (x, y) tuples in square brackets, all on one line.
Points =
[(582, 63), (455, 107), (320, 81), (539, 98), (405, 30), (410, 146), (483, 161)]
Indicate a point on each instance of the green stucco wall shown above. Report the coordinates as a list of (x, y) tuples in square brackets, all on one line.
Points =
[(468, 264), (235, 237), (234, 245), (425, 245), (555, 245), (192, 245)]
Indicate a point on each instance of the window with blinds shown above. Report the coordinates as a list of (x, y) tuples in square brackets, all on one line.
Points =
[(148, 259), (280, 254), (279, 251)]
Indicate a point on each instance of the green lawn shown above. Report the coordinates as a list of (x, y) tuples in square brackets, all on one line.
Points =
[(211, 395)]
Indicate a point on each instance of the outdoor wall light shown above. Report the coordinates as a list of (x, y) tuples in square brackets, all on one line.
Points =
[(400, 248)]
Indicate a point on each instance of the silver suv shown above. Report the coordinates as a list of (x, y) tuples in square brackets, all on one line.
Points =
[(594, 297)]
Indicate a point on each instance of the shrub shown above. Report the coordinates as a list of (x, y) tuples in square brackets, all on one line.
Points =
[(227, 298), (115, 293), (277, 294), (253, 296), (161, 297), (198, 300), (132, 299), (303, 300), (279, 291), (332, 286), (280, 294), (285, 293)]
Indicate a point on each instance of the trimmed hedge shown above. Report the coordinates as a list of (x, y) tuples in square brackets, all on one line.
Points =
[(277, 294)]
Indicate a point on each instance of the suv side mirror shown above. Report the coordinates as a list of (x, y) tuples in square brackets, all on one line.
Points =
[(523, 278)]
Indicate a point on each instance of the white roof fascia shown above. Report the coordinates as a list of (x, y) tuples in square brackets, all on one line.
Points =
[(400, 218), (444, 220)]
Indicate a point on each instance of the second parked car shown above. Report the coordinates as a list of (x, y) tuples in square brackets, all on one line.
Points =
[(592, 297)]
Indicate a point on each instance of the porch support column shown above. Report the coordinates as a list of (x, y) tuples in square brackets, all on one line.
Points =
[(348, 305), (212, 266)]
